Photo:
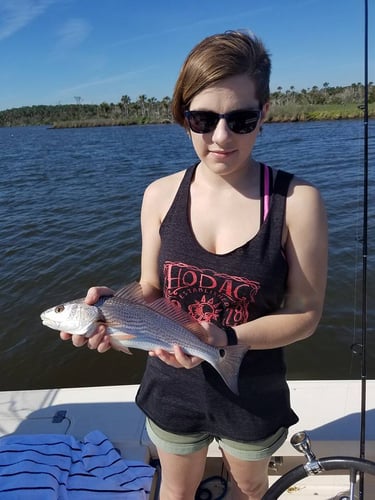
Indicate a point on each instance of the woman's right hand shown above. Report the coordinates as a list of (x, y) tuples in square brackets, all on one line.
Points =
[(98, 340)]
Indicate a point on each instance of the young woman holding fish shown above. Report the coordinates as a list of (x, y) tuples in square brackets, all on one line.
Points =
[(240, 246)]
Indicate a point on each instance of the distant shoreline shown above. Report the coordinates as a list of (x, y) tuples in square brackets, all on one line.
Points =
[(277, 114), (84, 115), (315, 112)]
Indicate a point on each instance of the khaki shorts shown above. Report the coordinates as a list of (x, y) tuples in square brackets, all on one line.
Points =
[(179, 444)]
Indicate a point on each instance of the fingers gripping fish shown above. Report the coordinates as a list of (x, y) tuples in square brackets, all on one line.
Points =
[(133, 323)]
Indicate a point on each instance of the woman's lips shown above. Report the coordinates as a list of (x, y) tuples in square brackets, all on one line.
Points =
[(221, 154)]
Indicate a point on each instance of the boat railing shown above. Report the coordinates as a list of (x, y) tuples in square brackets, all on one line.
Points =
[(356, 468)]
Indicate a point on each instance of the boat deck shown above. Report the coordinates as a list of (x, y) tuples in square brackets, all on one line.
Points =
[(328, 410)]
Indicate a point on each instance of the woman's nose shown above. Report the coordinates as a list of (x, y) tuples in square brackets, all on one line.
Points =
[(221, 132)]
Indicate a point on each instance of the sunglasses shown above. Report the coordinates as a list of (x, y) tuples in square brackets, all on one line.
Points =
[(242, 121)]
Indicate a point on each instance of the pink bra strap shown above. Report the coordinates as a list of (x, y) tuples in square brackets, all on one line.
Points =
[(266, 202)]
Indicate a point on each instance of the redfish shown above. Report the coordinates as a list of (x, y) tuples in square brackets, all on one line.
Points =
[(133, 323)]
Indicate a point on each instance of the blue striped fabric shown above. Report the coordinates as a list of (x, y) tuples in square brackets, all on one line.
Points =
[(59, 467)]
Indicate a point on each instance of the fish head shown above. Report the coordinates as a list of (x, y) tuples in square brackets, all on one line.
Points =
[(76, 317)]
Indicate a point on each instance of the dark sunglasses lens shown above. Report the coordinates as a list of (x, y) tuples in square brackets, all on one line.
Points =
[(239, 122), (202, 122), (243, 122)]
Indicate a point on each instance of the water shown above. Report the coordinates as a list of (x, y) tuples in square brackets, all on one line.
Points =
[(69, 209)]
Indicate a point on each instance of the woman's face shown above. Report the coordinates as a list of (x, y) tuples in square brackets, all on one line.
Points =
[(222, 150)]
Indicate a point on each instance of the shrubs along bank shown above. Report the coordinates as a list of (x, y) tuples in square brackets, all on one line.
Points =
[(327, 103)]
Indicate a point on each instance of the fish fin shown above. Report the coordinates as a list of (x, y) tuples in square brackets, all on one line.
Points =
[(166, 308), (118, 346), (229, 364), (132, 292), (123, 336), (116, 338)]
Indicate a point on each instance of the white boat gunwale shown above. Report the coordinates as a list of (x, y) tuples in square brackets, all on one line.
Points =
[(328, 409)]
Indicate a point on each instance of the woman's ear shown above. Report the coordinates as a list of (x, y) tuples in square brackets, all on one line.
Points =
[(265, 110)]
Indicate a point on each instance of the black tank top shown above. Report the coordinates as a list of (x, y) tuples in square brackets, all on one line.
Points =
[(230, 289)]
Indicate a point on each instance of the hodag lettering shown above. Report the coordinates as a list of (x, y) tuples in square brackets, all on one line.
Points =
[(181, 279), (178, 277)]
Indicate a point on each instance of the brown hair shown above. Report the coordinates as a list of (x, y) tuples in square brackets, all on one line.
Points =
[(217, 57)]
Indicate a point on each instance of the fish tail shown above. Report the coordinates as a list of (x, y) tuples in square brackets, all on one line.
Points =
[(228, 364)]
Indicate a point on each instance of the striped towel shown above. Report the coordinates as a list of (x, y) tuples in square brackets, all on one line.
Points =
[(59, 467)]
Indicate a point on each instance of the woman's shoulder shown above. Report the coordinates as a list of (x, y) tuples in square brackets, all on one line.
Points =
[(159, 195), (298, 186), (165, 185), (304, 201)]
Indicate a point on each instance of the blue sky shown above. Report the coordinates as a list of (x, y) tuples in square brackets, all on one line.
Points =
[(52, 51)]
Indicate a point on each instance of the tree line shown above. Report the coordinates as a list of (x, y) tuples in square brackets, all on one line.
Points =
[(286, 104)]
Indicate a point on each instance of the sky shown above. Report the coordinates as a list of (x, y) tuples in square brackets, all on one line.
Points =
[(93, 51)]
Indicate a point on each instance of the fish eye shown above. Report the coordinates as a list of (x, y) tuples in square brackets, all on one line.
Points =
[(59, 309)]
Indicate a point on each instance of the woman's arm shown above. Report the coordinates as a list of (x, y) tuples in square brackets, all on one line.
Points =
[(306, 246), (150, 225)]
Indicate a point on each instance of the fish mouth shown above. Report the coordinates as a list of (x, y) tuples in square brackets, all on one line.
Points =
[(48, 322)]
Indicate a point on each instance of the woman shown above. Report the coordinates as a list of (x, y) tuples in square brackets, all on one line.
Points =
[(243, 248)]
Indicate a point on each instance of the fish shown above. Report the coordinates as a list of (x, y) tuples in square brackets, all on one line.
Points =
[(131, 322)]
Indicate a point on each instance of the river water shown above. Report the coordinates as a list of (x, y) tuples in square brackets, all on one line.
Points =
[(69, 210)]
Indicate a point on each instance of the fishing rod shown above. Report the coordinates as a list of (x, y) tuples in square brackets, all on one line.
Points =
[(364, 255)]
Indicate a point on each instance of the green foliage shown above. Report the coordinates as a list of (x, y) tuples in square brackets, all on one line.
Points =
[(326, 103), (312, 112)]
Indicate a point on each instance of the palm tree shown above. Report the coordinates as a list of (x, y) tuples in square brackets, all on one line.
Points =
[(151, 102), (166, 108), (124, 104), (104, 108), (142, 101)]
